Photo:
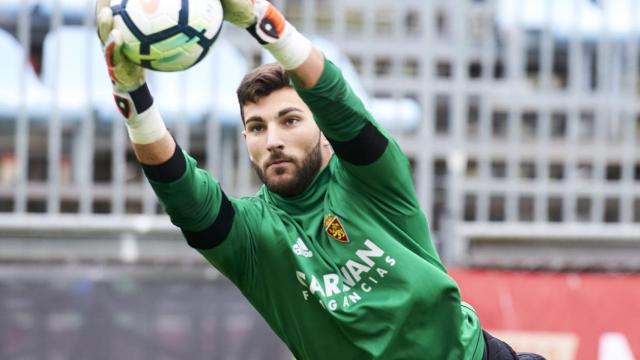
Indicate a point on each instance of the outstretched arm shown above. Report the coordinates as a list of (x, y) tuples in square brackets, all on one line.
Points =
[(191, 197), (151, 141), (369, 156)]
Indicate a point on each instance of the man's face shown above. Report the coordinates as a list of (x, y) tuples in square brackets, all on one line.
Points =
[(283, 141)]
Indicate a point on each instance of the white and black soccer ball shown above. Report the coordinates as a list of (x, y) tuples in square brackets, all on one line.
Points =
[(167, 35)]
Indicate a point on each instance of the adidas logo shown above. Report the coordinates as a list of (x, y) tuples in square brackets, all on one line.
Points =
[(299, 248)]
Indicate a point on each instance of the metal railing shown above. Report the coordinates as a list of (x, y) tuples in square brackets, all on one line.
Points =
[(526, 143)]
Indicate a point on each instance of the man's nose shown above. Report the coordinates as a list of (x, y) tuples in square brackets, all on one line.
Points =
[(274, 140)]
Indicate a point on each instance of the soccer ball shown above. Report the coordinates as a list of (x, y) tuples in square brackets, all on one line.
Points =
[(167, 35)]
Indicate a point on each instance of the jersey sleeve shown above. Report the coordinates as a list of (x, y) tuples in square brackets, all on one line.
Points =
[(212, 223), (370, 159)]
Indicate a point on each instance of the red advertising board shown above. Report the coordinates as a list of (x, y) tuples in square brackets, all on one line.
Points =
[(563, 316)]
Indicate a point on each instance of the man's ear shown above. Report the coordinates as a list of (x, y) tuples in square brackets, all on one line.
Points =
[(244, 135)]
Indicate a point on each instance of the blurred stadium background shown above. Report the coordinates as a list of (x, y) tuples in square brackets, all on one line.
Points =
[(520, 118)]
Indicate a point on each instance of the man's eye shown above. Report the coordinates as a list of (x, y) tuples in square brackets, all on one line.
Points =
[(292, 120), (256, 128)]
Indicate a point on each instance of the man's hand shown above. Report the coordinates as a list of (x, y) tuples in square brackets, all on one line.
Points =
[(259, 17), (239, 12), (126, 76), (270, 28)]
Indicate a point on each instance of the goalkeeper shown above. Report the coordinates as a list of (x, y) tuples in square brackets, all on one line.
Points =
[(334, 250)]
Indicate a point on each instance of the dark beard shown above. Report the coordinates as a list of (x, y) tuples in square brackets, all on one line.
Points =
[(303, 177)]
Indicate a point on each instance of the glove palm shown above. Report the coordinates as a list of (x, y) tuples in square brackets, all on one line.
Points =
[(126, 75)]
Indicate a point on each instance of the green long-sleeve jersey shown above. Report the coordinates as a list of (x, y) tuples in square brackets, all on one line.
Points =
[(345, 270)]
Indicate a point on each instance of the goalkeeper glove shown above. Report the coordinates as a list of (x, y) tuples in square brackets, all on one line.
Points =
[(270, 28)]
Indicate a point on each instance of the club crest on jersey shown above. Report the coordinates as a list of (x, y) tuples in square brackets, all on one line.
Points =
[(334, 228)]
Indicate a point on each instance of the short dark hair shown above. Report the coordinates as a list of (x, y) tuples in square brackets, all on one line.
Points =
[(261, 82)]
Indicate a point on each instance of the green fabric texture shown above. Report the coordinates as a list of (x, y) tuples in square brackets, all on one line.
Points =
[(347, 269)]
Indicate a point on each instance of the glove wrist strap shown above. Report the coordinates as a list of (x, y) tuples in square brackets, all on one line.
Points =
[(290, 51), (279, 37), (144, 123)]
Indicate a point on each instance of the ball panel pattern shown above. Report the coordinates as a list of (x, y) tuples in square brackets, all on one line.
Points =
[(168, 35)]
